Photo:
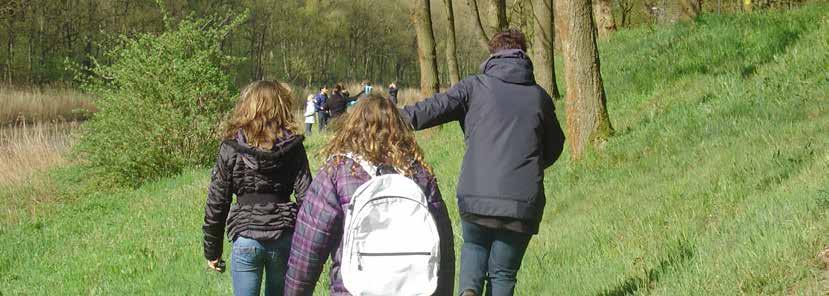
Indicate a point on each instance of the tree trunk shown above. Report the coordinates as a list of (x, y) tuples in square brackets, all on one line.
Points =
[(691, 8), (451, 50), (542, 51), (483, 39), (498, 15), (587, 119), (560, 25), (427, 56), (603, 14)]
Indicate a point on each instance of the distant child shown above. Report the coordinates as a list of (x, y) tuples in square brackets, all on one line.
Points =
[(376, 133), (393, 92), (337, 102), (262, 162), (367, 88), (319, 103), (310, 110)]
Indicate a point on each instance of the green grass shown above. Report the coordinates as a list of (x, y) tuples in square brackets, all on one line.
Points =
[(714, 183)]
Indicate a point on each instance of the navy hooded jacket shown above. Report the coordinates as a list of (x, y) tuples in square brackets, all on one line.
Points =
[(511, 135)]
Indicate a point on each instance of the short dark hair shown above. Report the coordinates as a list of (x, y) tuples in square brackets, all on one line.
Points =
[(509, 39)]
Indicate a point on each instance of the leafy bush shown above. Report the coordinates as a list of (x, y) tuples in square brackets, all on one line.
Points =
[(159, 102)]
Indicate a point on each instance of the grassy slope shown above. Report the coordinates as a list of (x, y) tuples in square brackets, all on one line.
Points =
[(714, 184)]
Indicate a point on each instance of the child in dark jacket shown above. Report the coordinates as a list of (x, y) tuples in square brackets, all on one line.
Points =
[(375, 132), (261, 161), (511, 135)]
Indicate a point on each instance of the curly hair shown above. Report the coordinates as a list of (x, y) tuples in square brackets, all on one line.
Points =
[(263, 113), (376, 131)]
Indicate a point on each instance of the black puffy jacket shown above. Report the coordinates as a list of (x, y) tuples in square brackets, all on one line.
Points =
[(262, 181)]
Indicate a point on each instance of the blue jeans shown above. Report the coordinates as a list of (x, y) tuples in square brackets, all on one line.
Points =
[(308, 127), (322, 117), (493, 255), (251, 257)]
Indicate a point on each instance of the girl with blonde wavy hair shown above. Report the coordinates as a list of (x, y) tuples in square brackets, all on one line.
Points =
[(375, 132), (261, 162)]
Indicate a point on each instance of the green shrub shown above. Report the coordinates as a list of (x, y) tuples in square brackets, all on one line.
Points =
[(160, 100)]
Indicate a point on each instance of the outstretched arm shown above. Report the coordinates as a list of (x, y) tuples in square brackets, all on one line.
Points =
[(438, 109), (317, 230)]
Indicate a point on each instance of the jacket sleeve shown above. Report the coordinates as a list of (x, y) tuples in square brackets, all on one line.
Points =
[(309, 111), (553, 136), (327, 104), (438, 109), (317, 229), (303, 177), (446, 274), (219, 197)]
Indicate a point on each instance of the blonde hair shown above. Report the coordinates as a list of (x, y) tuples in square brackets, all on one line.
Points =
[(263, 113), (375, 131)]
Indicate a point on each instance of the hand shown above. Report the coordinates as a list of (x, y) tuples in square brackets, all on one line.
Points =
[(217, 265)]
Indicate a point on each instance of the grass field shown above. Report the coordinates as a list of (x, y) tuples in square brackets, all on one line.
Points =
[(714, 183)]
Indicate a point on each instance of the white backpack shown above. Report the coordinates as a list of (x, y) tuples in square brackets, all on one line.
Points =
[(390, 241)]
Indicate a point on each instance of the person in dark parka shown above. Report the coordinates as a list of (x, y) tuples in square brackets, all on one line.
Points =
[(512, 135), (337, 103)]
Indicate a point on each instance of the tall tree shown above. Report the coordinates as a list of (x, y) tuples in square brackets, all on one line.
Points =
[(451, 48), (603, 14), (587, 119), (498, 15), (542, 51), (426, 53), (483, 39), (690, 8)]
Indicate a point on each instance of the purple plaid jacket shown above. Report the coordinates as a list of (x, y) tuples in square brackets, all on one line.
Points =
[(319, 227)]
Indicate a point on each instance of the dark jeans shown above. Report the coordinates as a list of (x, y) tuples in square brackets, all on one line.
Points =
[(308, 128), (323, 119), (252, 257), (493, 255)]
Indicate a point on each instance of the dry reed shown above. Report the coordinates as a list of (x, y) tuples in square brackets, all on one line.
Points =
[(28, 148), (43, 105)]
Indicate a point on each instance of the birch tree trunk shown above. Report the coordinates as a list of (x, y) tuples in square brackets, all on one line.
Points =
[(451, 48), (587, 119), (426, 53), (542, 51)]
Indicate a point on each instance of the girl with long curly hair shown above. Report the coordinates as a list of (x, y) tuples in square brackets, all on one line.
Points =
[(373, 131), (262, 162)]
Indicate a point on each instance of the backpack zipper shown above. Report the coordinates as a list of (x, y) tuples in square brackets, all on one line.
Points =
[(394, 254), (368, 254)]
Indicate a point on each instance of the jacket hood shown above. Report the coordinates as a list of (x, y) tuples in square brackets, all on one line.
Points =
[(511, 66), (262, 159)]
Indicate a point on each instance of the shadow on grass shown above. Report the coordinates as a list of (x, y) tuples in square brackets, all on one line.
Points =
[(680, 255)]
